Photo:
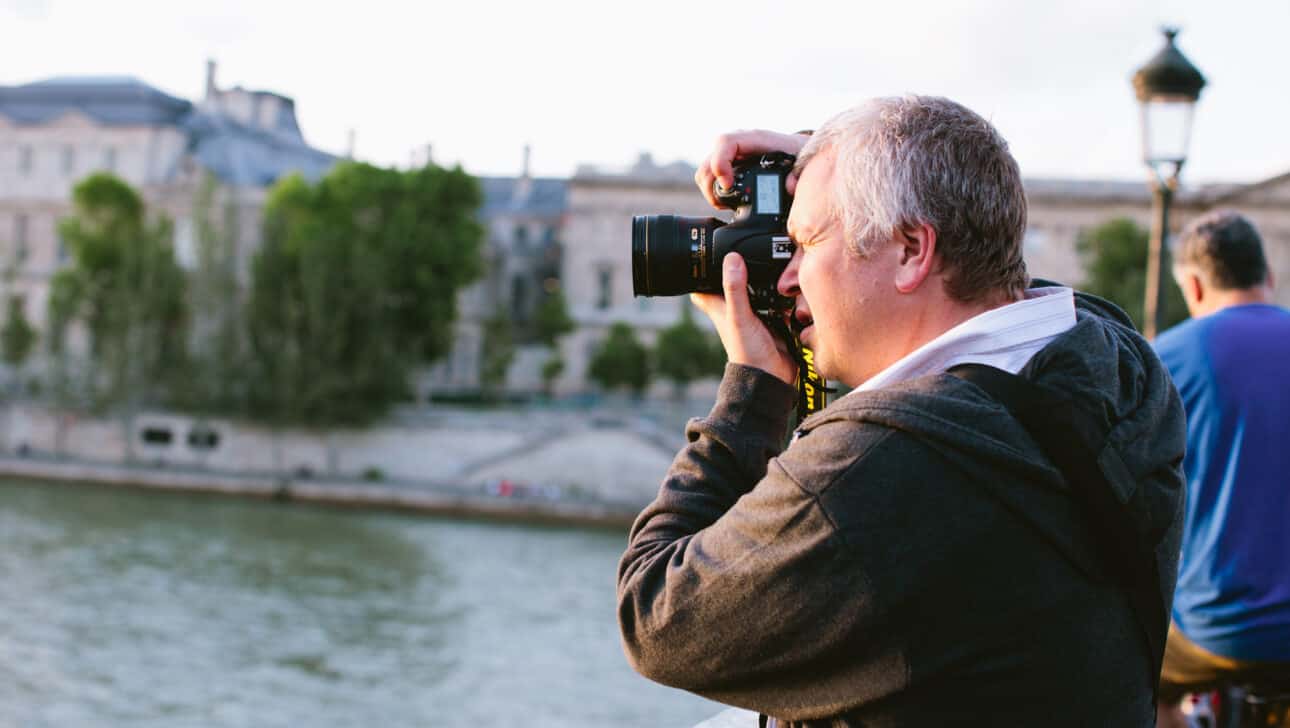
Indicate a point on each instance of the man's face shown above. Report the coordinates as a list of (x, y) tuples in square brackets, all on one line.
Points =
[(844, 301)]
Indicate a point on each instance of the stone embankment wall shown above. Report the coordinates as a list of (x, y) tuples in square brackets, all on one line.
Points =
[(572, 465)]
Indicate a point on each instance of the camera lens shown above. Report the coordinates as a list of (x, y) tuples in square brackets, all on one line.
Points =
[(672, 255)]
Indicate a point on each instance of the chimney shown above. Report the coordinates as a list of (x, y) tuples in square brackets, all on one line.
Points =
[(524, 185), (210, 79), (349, 144), (429, 155)]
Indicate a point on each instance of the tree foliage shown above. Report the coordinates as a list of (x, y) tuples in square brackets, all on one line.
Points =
[(125, 287), (621, 361), (684, 352), (497, 351), (217, 374), (552, 368), (355, 284), (17, 337), (1115, 256), (552, 318)]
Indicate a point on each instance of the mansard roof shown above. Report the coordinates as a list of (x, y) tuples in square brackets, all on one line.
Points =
[(245, 156), (535, 197), (237, 153), (109, 100)]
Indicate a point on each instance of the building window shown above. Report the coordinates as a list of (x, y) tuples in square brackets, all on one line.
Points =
[(203, 437), (69, 160), (156, 436), (62, 249), (24, 160), (109, 159), (20, 225), (604, 287), (521, 238), (519, 299)]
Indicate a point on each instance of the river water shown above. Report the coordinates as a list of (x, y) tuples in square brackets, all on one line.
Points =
[(122, 608)]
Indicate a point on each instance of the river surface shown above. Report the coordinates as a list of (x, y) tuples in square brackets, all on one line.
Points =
[(123, 608)]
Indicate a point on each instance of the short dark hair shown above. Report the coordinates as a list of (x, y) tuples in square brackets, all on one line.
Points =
[(1226, 248)]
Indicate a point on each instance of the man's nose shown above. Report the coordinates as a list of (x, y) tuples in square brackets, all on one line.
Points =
[(787, 284)]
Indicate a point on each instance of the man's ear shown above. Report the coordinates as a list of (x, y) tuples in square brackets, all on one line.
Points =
[(1193, 288), (917, 256)]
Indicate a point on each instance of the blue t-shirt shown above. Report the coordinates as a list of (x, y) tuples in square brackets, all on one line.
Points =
[(1232, 369)]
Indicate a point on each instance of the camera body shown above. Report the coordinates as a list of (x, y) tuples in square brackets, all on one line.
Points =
[(672, 255)]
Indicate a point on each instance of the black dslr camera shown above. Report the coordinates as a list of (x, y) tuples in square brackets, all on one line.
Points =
[(672, 255)]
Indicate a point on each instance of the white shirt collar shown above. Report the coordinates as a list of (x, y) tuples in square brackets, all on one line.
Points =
[(1005, 337)]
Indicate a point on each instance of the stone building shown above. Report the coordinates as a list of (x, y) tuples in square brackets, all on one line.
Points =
[(597, 269), (56, 132)]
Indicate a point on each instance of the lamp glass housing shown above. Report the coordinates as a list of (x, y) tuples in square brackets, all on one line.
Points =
[(1166, 129)]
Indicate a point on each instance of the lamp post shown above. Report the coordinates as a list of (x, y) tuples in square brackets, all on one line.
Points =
[(1167, 88)]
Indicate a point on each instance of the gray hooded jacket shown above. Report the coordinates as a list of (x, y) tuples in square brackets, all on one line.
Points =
[(912, 558)]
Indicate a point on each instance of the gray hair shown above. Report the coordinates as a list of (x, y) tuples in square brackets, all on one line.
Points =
[(912, 160), (1226, 249)]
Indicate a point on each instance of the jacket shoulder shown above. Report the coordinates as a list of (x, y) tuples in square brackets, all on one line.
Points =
[(844, 448)]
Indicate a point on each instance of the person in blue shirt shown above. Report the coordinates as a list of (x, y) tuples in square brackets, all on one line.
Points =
[(1231, 364)]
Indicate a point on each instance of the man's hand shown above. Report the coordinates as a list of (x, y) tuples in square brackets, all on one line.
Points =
[(732, 146), (745, 337)]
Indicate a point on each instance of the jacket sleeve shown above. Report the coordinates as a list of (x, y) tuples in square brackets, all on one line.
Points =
[(735, 583)]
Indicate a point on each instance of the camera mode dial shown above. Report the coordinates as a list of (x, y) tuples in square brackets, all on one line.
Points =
[(735, 195)]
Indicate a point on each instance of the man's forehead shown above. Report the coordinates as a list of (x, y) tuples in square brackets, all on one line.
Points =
[(812, 202)]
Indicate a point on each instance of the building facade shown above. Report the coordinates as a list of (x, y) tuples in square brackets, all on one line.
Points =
[(597, 269)]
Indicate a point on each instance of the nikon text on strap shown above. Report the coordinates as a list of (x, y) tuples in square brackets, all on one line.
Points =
[(811, 387)]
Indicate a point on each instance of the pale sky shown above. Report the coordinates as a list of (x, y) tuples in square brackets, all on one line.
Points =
[(601, 82)]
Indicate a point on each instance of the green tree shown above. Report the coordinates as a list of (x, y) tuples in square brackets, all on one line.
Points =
[(17, 337), (621, 360), (217, 373), (684, 352), (125, 288), (552, 319), (497, 352), (1115, 256), (552, 368), (322, 343), (354, 285)]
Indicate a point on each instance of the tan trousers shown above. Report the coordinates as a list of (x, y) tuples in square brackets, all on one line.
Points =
[(1189, 668)]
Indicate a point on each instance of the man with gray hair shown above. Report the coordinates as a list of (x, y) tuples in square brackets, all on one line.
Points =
[(1231, 611), (926, 550)]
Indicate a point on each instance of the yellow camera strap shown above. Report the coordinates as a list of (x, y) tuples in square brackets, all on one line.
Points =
[(811, 387)]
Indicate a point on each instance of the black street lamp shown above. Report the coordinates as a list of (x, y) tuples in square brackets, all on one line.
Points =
[(1167, 88)]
